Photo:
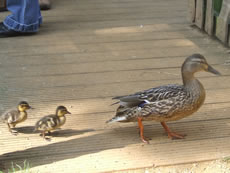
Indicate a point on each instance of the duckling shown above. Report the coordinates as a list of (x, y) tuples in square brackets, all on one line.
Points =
[(52, 122), (15, 116), (166, 103)]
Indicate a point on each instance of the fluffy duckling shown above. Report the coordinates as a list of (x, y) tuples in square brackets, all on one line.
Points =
[(52, 122), (15, 116), (166, 103)]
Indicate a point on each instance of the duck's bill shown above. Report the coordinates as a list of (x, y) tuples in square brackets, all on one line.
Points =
[(31, 107), (212, 70), (68, 112)]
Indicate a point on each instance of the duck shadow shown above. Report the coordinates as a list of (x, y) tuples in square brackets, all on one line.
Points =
[(69, 132), (107, 139), (58, 133), (1, 167), (25, 129), (73, 148)]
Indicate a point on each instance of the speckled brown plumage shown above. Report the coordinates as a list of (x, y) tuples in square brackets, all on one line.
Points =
[(16, 115), (169, 102), (51, 122)]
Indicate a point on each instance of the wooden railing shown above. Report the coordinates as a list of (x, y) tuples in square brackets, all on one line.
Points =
[(212, 16), (2, 5)]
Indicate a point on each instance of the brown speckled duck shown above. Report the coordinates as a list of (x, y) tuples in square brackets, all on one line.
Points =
[(166, 103), (52, 122), (14, 116)]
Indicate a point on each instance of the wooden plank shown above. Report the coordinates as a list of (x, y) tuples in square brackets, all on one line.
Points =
[(2, 5), (148, 8), (191, 10), (103, 47), (121, 4), (94, 67), (118, 34), (200, 14), (96, 99), (223, 22), (123, 142), (209, 18), (72, 57)]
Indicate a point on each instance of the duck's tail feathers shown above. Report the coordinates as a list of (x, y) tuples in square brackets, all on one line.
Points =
[(115, 103), (116, 119), (117, 97)]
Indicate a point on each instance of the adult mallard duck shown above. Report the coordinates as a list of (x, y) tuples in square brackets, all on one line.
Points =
[(166, 103), (14, 116)]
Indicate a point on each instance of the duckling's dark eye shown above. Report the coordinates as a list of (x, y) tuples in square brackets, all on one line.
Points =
[(24, 106)]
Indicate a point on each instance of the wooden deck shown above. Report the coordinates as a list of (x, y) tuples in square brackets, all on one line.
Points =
[(88, 51)]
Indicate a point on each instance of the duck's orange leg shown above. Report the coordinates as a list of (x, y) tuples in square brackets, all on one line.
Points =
[(171, 134), (141, 127)]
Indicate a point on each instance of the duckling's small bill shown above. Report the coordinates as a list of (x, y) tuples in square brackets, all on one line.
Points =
[(67, 112)]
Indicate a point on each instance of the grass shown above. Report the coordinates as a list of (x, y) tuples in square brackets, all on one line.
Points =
[(25, 168), (226, 159)]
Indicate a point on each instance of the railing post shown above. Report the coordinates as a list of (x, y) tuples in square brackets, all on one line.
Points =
[(209, 18), (200, 13), (191, 10), (2, 5), (223, 21)]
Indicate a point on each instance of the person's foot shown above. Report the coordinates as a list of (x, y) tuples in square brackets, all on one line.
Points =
[(45, 4), (5, 32)]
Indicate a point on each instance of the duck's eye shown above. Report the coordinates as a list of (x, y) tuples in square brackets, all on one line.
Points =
[(197, 61)]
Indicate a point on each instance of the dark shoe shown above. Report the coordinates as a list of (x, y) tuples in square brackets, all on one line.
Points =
[(3, 9), (5, 32), (45, 4)]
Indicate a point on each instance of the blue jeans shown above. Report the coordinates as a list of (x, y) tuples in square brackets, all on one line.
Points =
[(25, 17)]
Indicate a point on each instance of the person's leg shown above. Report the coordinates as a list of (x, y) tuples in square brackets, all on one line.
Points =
[(25, 18)]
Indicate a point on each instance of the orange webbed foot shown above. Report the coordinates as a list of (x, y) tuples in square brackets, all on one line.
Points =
[(145, 139), (173, 135)]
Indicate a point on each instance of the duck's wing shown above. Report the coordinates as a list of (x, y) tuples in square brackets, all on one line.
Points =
[(150, 95), (160, 108), (46, 123), (10, 116), (169, 106)]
